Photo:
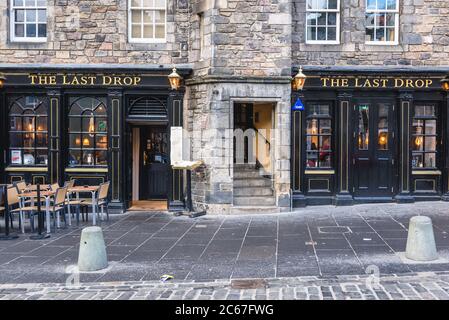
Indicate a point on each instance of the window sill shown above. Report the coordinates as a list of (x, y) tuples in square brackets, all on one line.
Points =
[(319, 172), (26, 169), (29, 40), (426, 172)]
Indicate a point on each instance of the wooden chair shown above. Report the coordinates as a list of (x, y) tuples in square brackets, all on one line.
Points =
[(54, 186), (101, 201), (13, 199), (70, 183)]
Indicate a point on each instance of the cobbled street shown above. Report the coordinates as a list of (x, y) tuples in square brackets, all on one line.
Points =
[(314, 253)]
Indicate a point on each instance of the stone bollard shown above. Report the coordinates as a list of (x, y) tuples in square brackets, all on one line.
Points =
[(421, 241), (92, 255)]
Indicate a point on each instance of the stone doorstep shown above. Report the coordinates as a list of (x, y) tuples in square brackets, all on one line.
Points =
[(405, 260)]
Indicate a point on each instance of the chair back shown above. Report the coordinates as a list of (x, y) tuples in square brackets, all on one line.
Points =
[(21, 186), (70, 183), (60, 196), (104, 190), (13, 196), (54, 186)]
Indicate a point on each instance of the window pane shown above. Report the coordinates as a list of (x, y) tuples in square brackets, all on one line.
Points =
[(42, 30), (41, 3), (431, 127), (418, 143), (15, 140), (320, 4), (148, 31), (363, 138), (369, 34), (311, 33), (370, 20), (101, 158), (20, 16), (30, 3), (417, 160), (18, 3), (325, 126), (42, 15), (160, 16), (19, 30), (430, 160), (312, 143), (41, 140), (41, 157), (159, 3), (136, 16), (321, 35), (312, 159), (312, 126), (380, 20), (136, 3), (380, 35), (332, 33), (28, 157), (390, 19), (391, 4), (74, 157), (371, 4), (311, 19), (30, 15), (325, 143), (309, 4), (148, 3), (136, 31), (332, 4), (430, 144), (325, 159), (331, 19), (381, 4), (319, 109), (75, 141), (148, 16), (390, 34), (30, 30), (321, 19), (88, 158), (160, 32), (101, 142), (382, 129), (41, 124)]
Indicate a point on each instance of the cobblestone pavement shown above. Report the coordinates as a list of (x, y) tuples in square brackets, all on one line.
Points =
[(418, 286), (315, 241)]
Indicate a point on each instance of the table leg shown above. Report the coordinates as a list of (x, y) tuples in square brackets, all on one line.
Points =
[(47, 213), (69, 211), (94, 211)]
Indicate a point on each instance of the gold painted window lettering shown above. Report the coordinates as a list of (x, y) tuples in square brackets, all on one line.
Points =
[(424, 137), (319, 136), (28, 131), (88, 132)]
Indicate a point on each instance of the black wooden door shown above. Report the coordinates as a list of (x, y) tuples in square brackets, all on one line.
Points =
[(154, 162), (374, 149)]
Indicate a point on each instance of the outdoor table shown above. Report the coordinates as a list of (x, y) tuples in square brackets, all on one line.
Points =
[(93, 190), (47, 195)]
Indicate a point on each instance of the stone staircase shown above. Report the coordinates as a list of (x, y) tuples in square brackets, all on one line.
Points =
[(253, 191)]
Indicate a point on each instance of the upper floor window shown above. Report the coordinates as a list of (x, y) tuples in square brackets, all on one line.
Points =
[(323, 21), (28, 20), (382, 21), (147, 20)]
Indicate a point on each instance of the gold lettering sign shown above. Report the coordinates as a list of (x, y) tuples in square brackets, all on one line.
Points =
[(369, 83), (84, 80)]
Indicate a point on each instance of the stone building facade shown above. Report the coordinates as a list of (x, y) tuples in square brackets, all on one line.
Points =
[(239, 56)]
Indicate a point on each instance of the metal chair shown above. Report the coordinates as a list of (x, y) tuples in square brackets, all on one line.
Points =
[(59, 204), (13, 199), (101, 201)]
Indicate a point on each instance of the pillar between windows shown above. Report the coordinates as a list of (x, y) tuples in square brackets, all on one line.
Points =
[(55, 168), (344, 196), (405, 168), (445, 182)]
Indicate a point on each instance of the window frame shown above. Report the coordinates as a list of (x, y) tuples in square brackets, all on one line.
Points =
[(12, 24), (101, 100), (319, 117), (131, 39), (396, 24), (42, 102), (337, 24), (414, 135)]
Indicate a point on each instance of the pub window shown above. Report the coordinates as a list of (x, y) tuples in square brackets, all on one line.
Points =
[(319, 136), (88, 132), (323, 21), (147, 20), (382, 21), (28, 20), (424, 137), (28, 133)]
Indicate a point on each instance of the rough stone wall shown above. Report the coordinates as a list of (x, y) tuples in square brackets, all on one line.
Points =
[(423, 38), (100, 35)]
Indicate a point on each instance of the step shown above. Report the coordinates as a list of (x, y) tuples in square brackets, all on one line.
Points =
[(254, 210), (248, 174), (253, 191), (252, 182), (252, 201)]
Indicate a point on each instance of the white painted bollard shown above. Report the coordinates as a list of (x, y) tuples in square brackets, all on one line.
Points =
[(421, 241), (92, 255)]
